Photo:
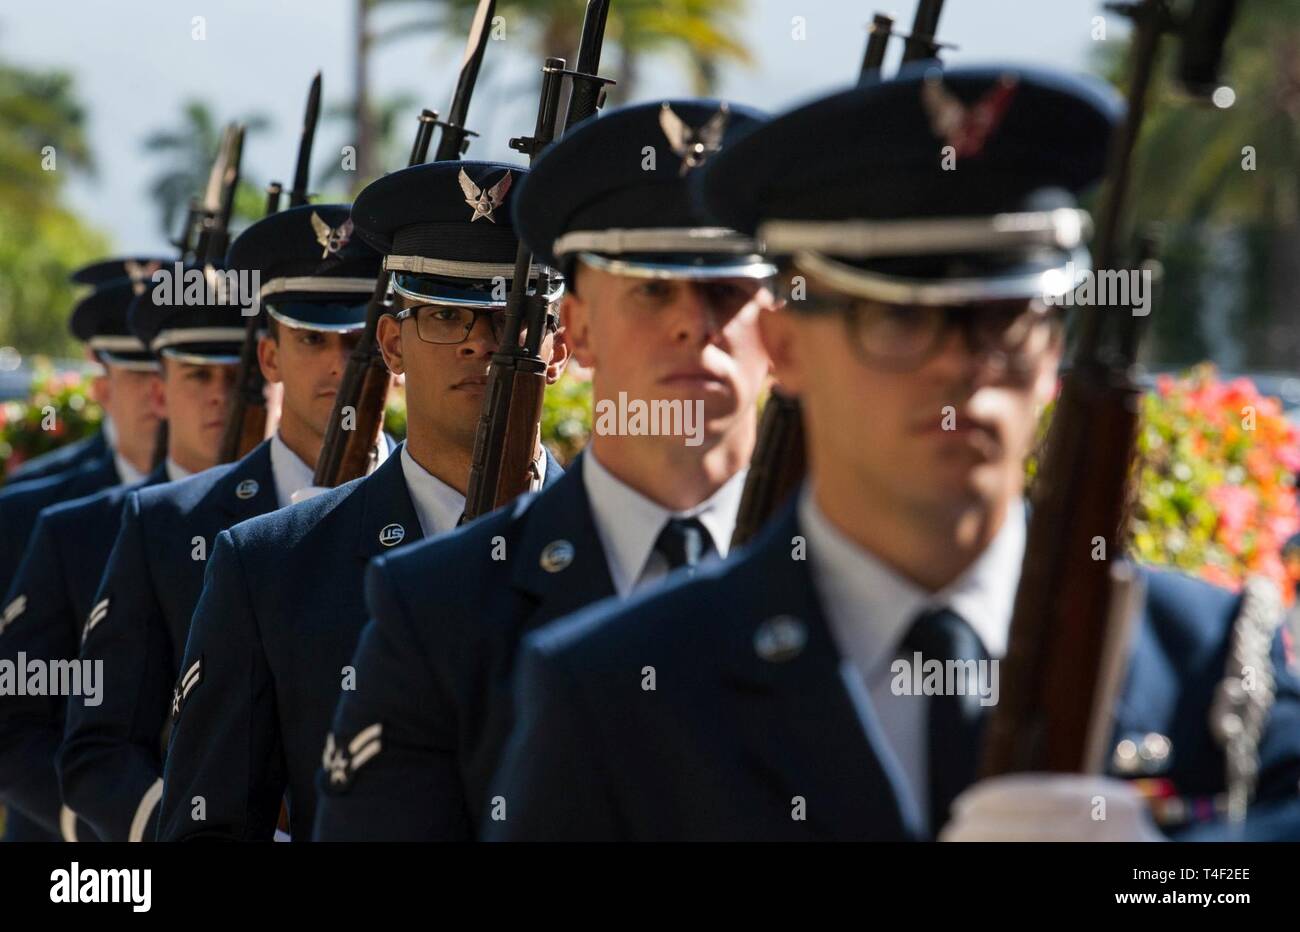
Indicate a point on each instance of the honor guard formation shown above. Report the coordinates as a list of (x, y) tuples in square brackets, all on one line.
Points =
[(813, 599)]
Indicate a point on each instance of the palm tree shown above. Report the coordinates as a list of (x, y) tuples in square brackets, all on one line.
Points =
[(41, 241), (389, 122), (38, 109), (191, 147)]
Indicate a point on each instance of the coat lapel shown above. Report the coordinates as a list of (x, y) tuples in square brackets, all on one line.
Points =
[(248, 487), (560, 564), (804, 728), (387, 515), (553, 470)]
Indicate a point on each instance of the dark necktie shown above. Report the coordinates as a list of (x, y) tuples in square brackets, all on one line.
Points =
[(684, 542), (956, 721)]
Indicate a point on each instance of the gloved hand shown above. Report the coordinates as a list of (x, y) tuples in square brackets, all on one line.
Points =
[(1050, 807)]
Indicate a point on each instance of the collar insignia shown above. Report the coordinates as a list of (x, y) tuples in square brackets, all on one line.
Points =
[(331, 239), (693, 146), (484, 202), (965, 128)]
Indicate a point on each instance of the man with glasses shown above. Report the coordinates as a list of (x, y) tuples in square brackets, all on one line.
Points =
[(918, 336), (314, 293), (664, 310), (273, 635)]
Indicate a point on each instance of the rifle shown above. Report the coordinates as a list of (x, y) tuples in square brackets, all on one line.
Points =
[(246, 422), (345, 453), (920, 43), (1060, 631), (779, 461), (212, 217), (219, 198), (509, 424), (878, 33)]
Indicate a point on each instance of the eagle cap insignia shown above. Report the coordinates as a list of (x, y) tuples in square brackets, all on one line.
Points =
[(966, 128), (484, 202), (331, 239), (140, 273), (693, 146)]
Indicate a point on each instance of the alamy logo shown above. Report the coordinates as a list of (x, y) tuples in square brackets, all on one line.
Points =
[(661, 417), (103, 885), (920, 677), (36, 677), (1118, 288), (193, 287)]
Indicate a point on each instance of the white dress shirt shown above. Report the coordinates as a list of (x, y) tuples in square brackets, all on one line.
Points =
[(870, 608), (175, 471), (628, 523), (291, 474), (437, 505), (125, 470)]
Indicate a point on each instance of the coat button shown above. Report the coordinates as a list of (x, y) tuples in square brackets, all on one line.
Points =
[(780, 639), (392, 535), (246, 489), (556, 555), (1142, 755)]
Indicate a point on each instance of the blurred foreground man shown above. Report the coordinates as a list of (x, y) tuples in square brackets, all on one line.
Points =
[(784, 703)]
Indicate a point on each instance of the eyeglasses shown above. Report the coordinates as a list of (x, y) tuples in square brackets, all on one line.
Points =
[(901, 337), (449, 324)]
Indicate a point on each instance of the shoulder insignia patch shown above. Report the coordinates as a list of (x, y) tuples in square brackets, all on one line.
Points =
[(341, 763), (191, 678)]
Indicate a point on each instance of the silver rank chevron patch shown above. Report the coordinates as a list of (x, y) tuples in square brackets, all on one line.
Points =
[(12, 612), (484, 202), (332, 239), (693, 146), (193, 676), (341, 763), (96, 616)]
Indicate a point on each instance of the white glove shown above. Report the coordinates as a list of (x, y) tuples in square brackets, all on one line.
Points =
[(1050, 807)]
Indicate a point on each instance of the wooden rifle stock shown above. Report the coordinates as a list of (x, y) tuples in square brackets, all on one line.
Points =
[(358, 414), (514, 398), (776, 468), (510, 422), (246, 423), (1050, 677), (363, 391)]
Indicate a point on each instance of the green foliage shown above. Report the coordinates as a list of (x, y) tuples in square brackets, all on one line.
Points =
[(190, 147), (566, 416), (38, 251), (40, 241)]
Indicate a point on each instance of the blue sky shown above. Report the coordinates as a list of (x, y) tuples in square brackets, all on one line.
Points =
[(135, 64)]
